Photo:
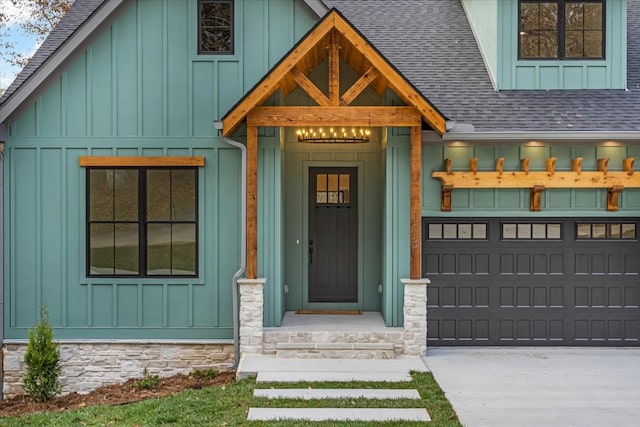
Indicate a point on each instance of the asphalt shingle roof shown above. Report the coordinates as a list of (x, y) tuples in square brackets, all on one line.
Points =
[(431, 43), (433, 46), (79, 12)]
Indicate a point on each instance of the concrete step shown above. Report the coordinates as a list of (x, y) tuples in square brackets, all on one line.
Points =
[(295, 377), (336, 393), (339, 414), (396, 369), (378, 350)]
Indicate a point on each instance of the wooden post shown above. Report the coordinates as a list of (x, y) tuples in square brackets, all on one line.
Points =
[(415, 207), (252, 202)]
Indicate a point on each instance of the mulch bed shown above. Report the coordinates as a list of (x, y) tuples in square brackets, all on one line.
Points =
[(117, 394)]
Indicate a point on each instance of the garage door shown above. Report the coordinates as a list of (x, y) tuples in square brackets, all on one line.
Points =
[(522, 282)]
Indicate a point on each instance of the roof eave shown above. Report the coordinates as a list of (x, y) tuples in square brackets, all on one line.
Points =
[(51, 66)]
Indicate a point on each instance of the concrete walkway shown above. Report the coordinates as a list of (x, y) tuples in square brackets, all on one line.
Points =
[(540, 386)]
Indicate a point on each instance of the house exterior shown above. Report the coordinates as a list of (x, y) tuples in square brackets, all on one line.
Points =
[(180, 174)]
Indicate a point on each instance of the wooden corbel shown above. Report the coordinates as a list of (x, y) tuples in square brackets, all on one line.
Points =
[(535, 199), (500, 165), (576, 165), (445, 205), (627, 165), (551, 165), (524, 165), (613, 194), (602, 165)]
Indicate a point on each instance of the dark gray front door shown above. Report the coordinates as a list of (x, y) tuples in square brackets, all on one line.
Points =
[(523, 282), (333, 235)]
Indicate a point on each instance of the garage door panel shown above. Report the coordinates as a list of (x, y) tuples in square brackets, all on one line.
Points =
[(529, 290)]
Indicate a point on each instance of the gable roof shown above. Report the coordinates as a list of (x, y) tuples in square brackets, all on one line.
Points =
[(432, 44), (355, 50), (77, 26)]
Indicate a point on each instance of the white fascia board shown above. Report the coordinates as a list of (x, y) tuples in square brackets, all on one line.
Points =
[(58, 58), (317, 6)]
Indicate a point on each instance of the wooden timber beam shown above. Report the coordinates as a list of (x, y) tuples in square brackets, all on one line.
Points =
[(538, 181), (359, 86), (310, 88), (415, 202), (252, 203), (140, 161), (334, 116), (334, 69)]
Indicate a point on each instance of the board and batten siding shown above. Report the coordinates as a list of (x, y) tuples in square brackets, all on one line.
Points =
[(609, 73), (139, 89), (503, 202)]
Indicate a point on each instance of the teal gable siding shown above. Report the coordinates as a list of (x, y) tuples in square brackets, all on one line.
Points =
[(610, 73), (514, 202), (139, 89), (483, 18)]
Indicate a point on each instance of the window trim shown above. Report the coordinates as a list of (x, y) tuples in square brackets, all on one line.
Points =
[(232, 49), (142, 220), (561, 31)]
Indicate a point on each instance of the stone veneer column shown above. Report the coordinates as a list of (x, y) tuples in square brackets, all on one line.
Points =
[(251, 315), (415, 316)]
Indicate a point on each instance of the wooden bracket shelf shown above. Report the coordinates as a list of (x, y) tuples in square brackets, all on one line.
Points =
[(538, 181)]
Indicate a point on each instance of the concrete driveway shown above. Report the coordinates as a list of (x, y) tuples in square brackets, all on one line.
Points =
[(540, 386)]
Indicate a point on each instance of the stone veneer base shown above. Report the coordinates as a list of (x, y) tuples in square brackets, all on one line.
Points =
[(87, 365)]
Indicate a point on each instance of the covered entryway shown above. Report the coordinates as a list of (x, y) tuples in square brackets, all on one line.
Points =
[(523, 281), (335, 102)]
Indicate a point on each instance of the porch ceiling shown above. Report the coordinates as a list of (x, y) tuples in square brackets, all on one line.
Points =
[(334, 38)]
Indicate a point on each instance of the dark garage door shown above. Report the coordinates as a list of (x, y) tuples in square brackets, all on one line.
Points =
[(522, 282)]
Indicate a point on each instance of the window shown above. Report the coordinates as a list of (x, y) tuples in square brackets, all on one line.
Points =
[(142, 221), (215, 26), (528, 231), (609, 231), (453, 231), (561, 29)]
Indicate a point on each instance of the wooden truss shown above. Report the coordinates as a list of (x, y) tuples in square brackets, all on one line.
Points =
[(538, 181)]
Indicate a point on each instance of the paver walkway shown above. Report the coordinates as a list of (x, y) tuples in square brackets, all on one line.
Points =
[(270, 369)]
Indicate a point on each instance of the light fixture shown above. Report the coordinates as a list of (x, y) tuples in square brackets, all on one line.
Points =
[(335, 135)]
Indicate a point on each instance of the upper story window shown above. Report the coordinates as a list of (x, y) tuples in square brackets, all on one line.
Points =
[(142, 221), (561, 29), (215, 26)]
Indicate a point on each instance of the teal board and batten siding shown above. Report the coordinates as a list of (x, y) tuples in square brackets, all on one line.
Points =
[(45, 245), (515, 202), (610, 73), (396, 239), (483, 18), (140, 88)]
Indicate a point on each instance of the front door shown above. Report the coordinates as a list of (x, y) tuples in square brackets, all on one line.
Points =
[(333, 235)]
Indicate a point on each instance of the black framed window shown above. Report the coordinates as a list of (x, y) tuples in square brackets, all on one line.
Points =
[(142, 221), (215, 26), (561, 29)]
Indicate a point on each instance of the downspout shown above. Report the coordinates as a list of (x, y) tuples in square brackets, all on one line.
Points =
[(1, 264), (243, 245)]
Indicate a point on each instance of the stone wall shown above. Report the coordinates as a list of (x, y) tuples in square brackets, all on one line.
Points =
[(415, 316), (87, 366)]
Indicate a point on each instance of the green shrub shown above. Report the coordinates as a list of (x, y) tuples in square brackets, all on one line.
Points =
[(147, 382), (41, 382), (205, 375)]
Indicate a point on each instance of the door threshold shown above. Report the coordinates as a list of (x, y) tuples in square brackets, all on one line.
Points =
[(331, 312)]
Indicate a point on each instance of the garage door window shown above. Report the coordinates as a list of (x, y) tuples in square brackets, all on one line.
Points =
[(462, 231), (608, 231), (528, 231)]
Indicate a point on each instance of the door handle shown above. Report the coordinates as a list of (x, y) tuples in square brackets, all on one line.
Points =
[(310, 251)]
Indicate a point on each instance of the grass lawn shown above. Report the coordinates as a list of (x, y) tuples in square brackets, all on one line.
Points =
[(228, 406)]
